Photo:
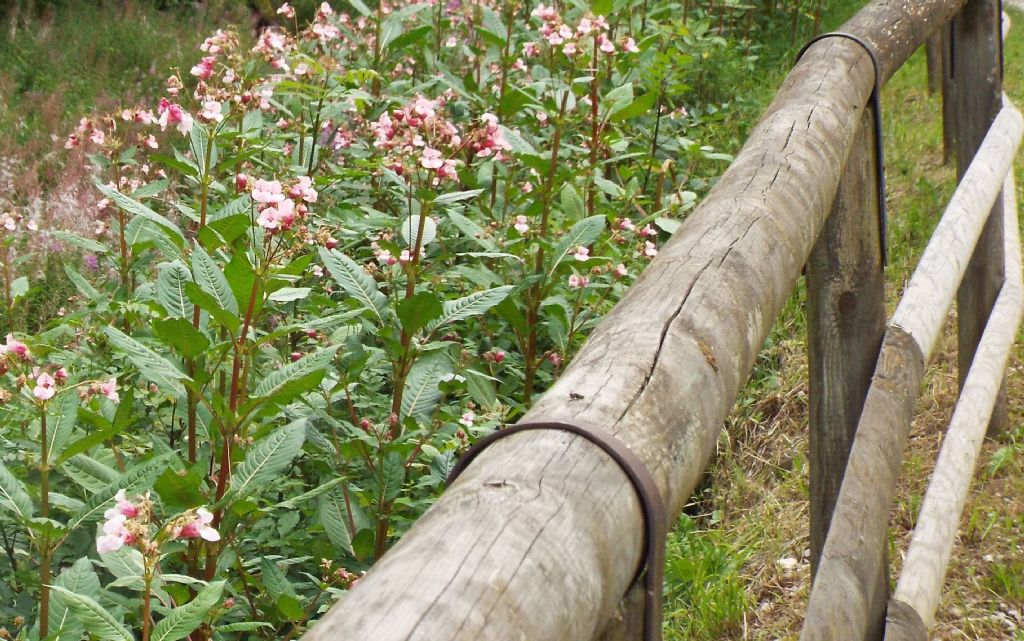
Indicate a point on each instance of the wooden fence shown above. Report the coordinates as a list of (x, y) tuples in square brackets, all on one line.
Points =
[(541, 537)]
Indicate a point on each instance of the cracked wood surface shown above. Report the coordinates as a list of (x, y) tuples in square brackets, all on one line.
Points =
[(912, 609), (540, 537), (847, 588)]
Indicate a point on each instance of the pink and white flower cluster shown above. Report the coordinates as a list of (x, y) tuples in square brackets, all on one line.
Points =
[(418, 135), (592, 32), (171, 114), (121, 526), (195, 524), (278, 209)]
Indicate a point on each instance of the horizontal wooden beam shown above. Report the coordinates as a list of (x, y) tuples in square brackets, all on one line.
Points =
[(847, 579), (541, 536), (913, 606)]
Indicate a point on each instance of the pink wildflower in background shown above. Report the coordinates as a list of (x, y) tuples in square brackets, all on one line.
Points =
[(172, 114), (15, 348), (109, 389), (45, 387), (197, 526)]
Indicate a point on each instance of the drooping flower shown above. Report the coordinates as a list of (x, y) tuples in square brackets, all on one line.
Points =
[(522, 224), (172, 114), (109, 389), (45, 387), (267, 192), (211, 111), (582, 253), (286, 10), (578, 282), (123, 507), (620, 271), (204, 69), (16, 348), (115, 534), (650, 251), (196, 525), (467, 418)]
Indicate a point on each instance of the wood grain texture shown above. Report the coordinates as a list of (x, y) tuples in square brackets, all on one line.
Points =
[(924, 570), (541, 536), (844, 601), (977, 71), (845, 323)]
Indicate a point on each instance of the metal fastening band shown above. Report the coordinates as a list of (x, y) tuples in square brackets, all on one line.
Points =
[(876, 106), (653, 558)]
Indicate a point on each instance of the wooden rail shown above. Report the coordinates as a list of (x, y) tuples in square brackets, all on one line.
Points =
[(541, 536)]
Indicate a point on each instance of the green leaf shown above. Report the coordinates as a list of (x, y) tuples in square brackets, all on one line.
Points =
[(61, 417), (212, 280), (481, 388), (136, 479), (618, 98), (411, 228), (393, 476), (81, 284), (410, 37), (179, 489), (275, 581), (473, 305), (182, 336), (93, 616), (184, 619), (136, 208), (585, 232), (276, 382), (74, 240), (125, 563), (421, 394), (243, 626), (519, 144), (355, 281), (151, 365), (572, 203), (266, 459), (290, 294), (457, 196), (19, 287), (13, 496), (80, 579), (241, 276), (170, 289), (334, 517), (418, 310), (640, 105), (209, 304), (295, 501)]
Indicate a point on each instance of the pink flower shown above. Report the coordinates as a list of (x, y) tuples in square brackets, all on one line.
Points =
[(45, 387), (115, 534), (405, 256), (570, 49), (267, 192), (172, 114), (431, 159), (521, 225), (123, 507), (384, 257), (109, 389), (61, 375), (97, 136), (630, 45), (582, 253), (650, 251), (303, 190), (197, 526), (286, 10), (577, 282), (648, 231), (626, 225), (605, 44), (241, 182), (151, 142), (15, 347), (280, 217), (451, 42), (621, 271), (204, 70), (467, 418), (211, 111)]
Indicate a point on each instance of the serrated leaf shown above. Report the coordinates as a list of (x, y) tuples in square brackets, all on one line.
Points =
[(182, 336), (518, 144), (74, 240), (295, 501), (472, 305), (393, 476), (244, 626), (95, 618), (277, 381), (212, 280), (290, 294), (124, 563), (80, 579), (19, 287), (335, 519), (184, 619), (572, 203), (418, 310), (355, 281), (584, 233), (411, 227), (13, 496), (457, 196), (83, 286), (151, 365), (421, 394), (136, 479), (62, 414), (170, 289), (266, 459), (275, 581), (136, 208), (208, 303)]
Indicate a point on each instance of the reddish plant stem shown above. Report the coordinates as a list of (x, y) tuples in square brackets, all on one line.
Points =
[(44, 548)]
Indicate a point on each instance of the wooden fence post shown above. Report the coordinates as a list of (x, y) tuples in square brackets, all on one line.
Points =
[(977, 74), (948, 94), (845, 323)]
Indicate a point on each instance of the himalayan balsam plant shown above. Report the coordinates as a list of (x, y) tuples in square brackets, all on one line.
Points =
[(323, 263)]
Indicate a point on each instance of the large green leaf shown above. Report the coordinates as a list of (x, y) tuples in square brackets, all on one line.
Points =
[(184, 619), (212, 280), (135, 480), (80, 579), (266, 459), (182, 336), (151, 365), (419, 310), (94, 617), (335, 519), (81, 284), (355, 281), (13, 496), (60, 421), (136, 208), (170, 289), (208, 303), (277, 384), (473, 305), (584, 233), (421, 394)]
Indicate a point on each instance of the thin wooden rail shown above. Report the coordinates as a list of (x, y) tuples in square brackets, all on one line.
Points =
[(541, 536)]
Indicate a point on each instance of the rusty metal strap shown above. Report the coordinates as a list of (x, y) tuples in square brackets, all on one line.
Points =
[(652, 566), (876, 106)]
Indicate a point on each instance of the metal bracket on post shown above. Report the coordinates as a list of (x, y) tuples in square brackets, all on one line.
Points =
[(876, 106), (652, 566)]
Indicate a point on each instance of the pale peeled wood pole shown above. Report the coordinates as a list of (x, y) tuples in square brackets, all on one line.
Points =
[(845, 588), (541, 536), (913, 606)]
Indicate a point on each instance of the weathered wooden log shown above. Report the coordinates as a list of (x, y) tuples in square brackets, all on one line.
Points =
[(845, 323), (844, 595), (913, 606), (933, 52), (541, 536), (977, 69)]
